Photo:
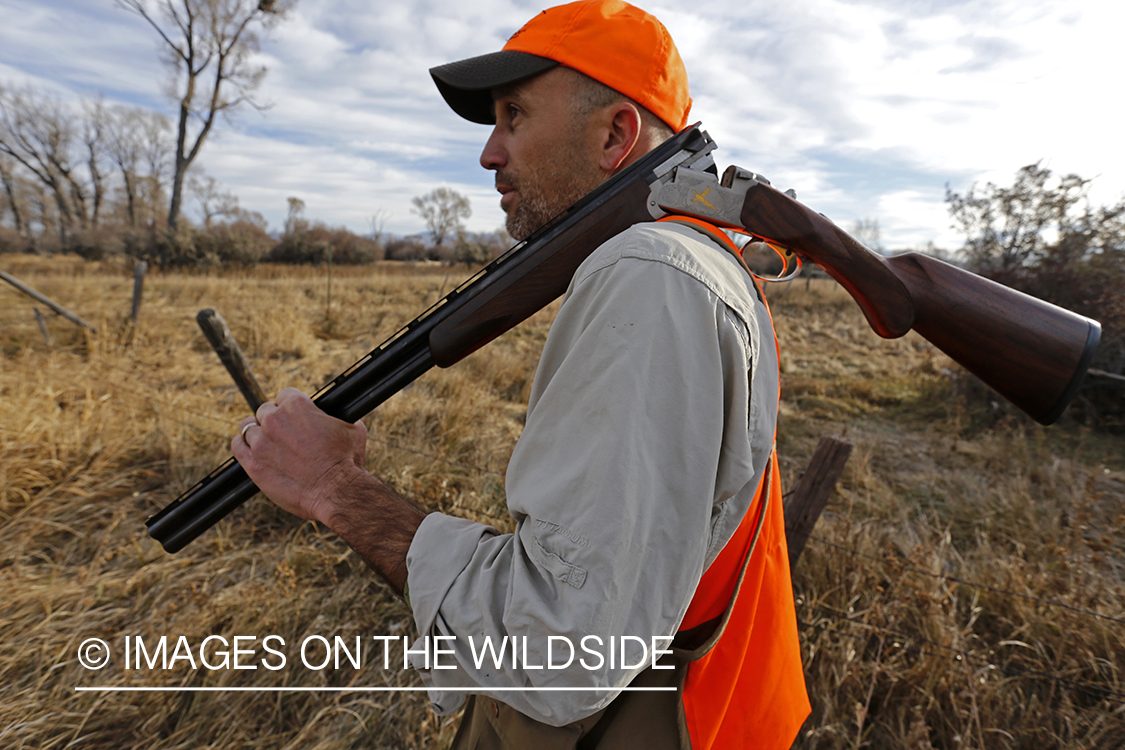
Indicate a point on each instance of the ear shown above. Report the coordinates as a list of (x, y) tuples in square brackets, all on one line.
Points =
[(620, 136)]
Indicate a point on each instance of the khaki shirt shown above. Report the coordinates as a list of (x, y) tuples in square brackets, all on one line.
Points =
[(640, 455)]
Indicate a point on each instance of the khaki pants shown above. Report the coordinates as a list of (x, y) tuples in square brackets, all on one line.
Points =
[(644, 720)]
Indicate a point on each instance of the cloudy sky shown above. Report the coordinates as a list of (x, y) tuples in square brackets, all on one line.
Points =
[(868, 108)]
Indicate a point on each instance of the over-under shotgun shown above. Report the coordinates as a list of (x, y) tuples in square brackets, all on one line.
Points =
[(1031, 352)]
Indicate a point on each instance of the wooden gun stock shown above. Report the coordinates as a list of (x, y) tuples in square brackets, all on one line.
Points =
[(1031, 352)]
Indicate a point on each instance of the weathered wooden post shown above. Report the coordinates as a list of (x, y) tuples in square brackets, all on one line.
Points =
[(221, 340), (46, 301), (328, 304), (811, 491), (138, 288), (42, 327)]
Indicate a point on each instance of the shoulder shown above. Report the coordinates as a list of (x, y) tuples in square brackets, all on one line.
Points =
[(664, 249)]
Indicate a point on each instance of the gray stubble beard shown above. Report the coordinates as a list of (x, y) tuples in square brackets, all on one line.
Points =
[(547, 191)]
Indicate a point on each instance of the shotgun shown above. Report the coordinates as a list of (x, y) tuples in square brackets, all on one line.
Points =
[(1031, 352)]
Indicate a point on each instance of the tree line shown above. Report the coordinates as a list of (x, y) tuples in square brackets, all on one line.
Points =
[(97, 180), (100, 179), (57, 164), (69, 172)]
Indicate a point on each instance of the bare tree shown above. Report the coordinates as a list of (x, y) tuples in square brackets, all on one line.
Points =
[(44, 212), (1005, 226), (38, 133), (156, 150), (133, 138), (866, 230), (213, 201), (295, 221), (379, 224), (442, 209), (95, 124), (208, 45), (12, 192)]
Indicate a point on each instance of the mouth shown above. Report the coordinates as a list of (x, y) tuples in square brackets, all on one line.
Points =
[(507, 195)]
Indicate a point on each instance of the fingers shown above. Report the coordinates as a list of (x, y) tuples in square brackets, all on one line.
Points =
[(240, 443), (288, 396), (244, 433), (288, 400), (266, 409)]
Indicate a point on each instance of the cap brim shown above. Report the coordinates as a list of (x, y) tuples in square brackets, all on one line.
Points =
[(466, 85)]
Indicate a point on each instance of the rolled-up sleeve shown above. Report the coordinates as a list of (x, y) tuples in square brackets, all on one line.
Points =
[(635, 442)]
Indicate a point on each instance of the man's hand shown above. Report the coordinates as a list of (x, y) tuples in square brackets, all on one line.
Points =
[(300, 457), (312, 465)]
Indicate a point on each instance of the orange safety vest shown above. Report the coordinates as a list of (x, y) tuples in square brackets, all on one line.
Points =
[(748, 689)]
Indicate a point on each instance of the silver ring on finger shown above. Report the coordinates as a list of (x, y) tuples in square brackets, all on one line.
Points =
[(247, 427)]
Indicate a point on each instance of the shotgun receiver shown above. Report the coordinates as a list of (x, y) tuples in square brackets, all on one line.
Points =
[(1031, 352)]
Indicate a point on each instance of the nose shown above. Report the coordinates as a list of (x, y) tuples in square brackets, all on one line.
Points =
[(494, 156)]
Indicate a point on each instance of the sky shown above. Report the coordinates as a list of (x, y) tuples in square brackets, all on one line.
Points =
[(869, 109)]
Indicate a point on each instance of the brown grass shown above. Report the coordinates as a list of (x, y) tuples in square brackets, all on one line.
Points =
[(923, 597)]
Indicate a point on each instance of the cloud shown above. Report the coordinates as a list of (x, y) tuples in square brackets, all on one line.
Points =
[(338, 187), (89, 48), (866, 107), (918, 214), (985, 53)]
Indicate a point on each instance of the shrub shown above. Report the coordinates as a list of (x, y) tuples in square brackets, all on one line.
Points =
[(94, 243), (1035, 237), (240, 243), (12, 241), (175, 249), (314, 244), (407, 248)]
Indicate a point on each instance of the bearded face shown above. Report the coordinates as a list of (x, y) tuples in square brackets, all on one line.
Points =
[(545, 150), (547, 183)]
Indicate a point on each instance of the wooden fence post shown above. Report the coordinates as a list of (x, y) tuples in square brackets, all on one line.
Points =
[(221, 340), (138, 288), (811, 491), (39, 296), (42, 327)]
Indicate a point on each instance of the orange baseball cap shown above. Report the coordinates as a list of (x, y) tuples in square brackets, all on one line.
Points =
[(611, 41)]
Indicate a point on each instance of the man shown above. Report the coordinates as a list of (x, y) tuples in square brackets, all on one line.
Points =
[(644, 484)]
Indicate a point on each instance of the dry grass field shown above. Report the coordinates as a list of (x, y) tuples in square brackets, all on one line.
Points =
[(965, 588)]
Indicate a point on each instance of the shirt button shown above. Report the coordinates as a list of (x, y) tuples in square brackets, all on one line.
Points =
[(495, 710)]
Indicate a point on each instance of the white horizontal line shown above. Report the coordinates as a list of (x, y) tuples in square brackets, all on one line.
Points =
[(362, 689)]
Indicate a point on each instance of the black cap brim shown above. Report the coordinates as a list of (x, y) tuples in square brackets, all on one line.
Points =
[(466, 85)]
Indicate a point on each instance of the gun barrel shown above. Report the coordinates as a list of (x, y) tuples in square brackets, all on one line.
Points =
[(227, 487), (183, 520)]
